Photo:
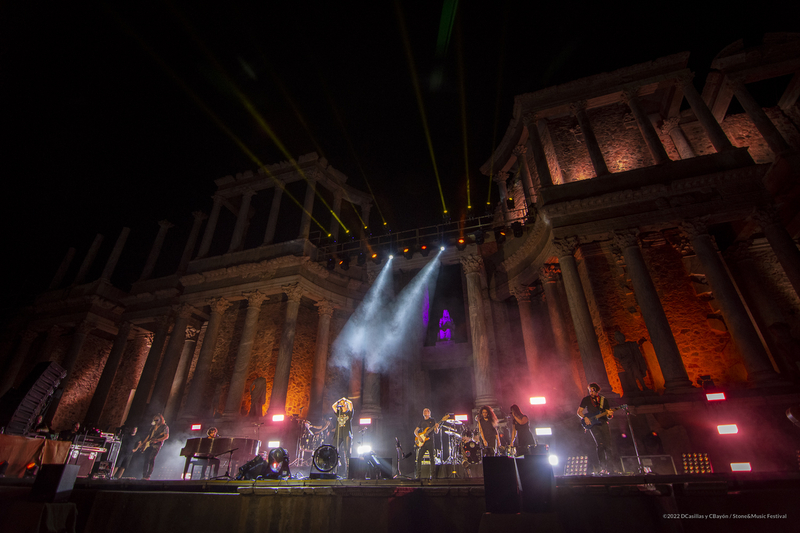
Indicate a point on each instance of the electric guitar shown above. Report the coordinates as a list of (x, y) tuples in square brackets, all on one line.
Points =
[(423, 436), (595, 420)]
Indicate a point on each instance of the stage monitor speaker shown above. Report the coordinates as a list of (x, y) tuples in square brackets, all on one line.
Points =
[(538, 483), (53, 483), (501, 485), (652, 464)]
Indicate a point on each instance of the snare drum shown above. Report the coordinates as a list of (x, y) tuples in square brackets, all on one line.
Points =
[(472, 452)]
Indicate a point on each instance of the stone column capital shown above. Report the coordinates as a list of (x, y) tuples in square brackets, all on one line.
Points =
[(669, 124), (739, 250), (191, 333), (218, 305), (566, 246), (500, 177), (324, 307), (148, 337), (522, 293), (199, 215), (520, 150), (165, 224), (685, 79), (183, 310), (695, 227), (766, 216), (550, 273), (734, 82), (248, 193), (255, 298), (472, 263), (578, 106), (85, 327), (629, 93), (55, 329), (293, 291), (530, 118), (626, 238)]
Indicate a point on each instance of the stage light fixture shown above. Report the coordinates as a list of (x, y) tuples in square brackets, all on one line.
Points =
[(361, 259), (344, 261), (441, 248), (424, 250), (365, 448), (715, 396), (331, 263), (741, 467), (552, 459), (696, 463), (538, 400), (577, 465), (516, 228), (408, 253), (273, 444), (479, 236), (461, 244), (500, 235), (462, 418), (278, 418), (544, 431), (377, 257), (510, 204), (31, 469), (278, 462), (324, 460), (391, 256), (727, 429), (365, 421)]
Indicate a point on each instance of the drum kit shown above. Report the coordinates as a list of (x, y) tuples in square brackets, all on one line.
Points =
[(311, 438)]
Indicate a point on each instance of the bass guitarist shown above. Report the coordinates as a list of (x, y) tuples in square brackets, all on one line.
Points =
[(423, 435), (595, 412), (151, 444)]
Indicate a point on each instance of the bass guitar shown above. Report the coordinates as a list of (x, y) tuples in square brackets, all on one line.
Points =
[(595, 420), (424, 436)]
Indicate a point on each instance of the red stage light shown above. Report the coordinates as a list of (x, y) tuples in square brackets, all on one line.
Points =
[(538, 400), (277, 418), (727, 429), (741, 467), (715, 396), (197, 427)]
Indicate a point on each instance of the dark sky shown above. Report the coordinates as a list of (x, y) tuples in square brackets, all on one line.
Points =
[(106, 108)]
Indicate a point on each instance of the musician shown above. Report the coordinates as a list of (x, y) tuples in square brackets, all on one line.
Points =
[(344, 430), (597, 405), (429, 426), (212, 433), (521, 436), (487, 426), (40, 428), (70, 434), (128, 437), (151, 444)]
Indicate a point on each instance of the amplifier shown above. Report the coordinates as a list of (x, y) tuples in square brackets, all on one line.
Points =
[(652, 464)]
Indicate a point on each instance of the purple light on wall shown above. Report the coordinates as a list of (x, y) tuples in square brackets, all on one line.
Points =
[(445, 325)]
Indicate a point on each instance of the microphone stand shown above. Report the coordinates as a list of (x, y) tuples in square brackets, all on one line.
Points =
[(400, 457), (640, 468), (227, 473)]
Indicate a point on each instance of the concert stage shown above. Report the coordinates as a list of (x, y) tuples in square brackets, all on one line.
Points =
[(688, 503)]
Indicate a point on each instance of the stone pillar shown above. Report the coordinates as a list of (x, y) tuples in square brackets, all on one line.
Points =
[(241, 222), (672, 128), (196, 402), (630, 97), (712, 128), (745, 272), (269, 235), (527, 180), (756, 361), (178, 382), (500, 179), (111, 264), (172, 356), (537, 148), (100, 396), (595, 153), (88, 260), (782, 244), (205, 244), (82, 331), (280, 384), (199, 217), (233, 403), (355, 381), (484, 390), (549, 274), (764, 125), (325, 309), (308, 208), (371, 402), (333, 229), (9, 376), (529, 337), (142, 395), (676, 380), (62, 269), (589, 347), (155, 250)]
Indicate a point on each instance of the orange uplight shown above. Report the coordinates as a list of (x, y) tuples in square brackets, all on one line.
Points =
[(715, 396), (741, 467), (277, 418), (538, 400), (727, 429), (365, 421), (197, 427), (30, 465)]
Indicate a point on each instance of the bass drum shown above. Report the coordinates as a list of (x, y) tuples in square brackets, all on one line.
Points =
[(472, 452)]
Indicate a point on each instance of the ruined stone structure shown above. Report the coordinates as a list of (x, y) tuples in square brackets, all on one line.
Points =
[(639, 203)]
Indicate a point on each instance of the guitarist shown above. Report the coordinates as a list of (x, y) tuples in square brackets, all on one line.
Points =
[(151, 444), (596, 405), (425, 430)]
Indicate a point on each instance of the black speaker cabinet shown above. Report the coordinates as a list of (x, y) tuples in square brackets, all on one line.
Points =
[(651, 464), (538, 483), (53, 483), (501, 485), (358, 468)]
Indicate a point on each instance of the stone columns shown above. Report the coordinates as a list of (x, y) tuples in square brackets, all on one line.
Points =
[(337, 209), (529, 337), (269, 234), (241, 222), (308, 207), (199, 217), (537, 148), (62, 269), (500, 179), (371, 400), (595, 153), (549, 274), (280, 384), (233, 403), (484, 390), (672, 128), (142, 395), (714, 131), (196, 403), (589, 347), (676, 380), (325, 309), (782, 244), (755, 358), (172, 356), (630, 97), (355, 381), (15, 363), (527, 180), (155, 250), (765, 127), (111, 264), (109, 372), (205, 244), (82, 331), (88, 260), (179, 381)]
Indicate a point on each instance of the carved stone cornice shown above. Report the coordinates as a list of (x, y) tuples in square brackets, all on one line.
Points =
[(324, 307), (354, 284), (218, 305), (472, 263), (626, 238), (695, 227), (263, 270), (550, 273), (317, 269), (293, 291), (566, 246), (255, 298)]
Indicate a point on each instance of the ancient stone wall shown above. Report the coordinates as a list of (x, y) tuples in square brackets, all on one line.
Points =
[(125, 380), (79, 387)]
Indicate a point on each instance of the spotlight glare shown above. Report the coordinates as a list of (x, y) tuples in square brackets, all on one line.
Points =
[(391, 256), (544, 431), (727, 429), (361, 450), (462, 418), (538, 400), (273, 444), (715, 396), (552, 459), (277, 418), (197, 427), (365, 421), (441, 248), (741, 467)]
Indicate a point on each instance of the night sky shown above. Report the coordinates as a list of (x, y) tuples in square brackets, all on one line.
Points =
[(113, 114)]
